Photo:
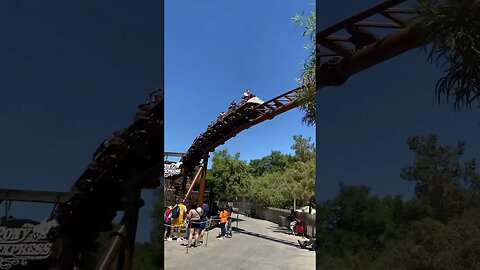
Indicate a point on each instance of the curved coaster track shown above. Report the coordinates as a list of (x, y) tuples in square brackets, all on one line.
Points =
[(235, 122), (123, 165), (364, 40), (343, 49)]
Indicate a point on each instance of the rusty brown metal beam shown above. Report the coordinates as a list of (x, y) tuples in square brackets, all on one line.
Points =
[(201, 190), (337, 47), (174, 154), (130, 220), (394, 18), (33, 196), (401, 10), (149, 178), (260, 119), (373, 54), (199, 173), (113, 249), (378, 24), (358, 17)]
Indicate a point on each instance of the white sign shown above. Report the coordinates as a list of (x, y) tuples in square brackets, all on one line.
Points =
[(172, 169), (22, 244)]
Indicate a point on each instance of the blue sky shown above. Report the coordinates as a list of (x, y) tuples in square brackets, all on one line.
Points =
[(214, 51), (362, 126), (71, 74)]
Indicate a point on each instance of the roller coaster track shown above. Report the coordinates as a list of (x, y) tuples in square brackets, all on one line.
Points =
[(364, 40), (343, 49), (231, 126), (128, 162)]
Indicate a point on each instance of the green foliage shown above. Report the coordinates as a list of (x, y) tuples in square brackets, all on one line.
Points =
[(307, 80), (300, 181), (304, 149), (440, 177), (452, 27), (271, 190), (146, 257), (228, 176), (437, 229), (152, 251), (275, 162), (279, 179), (272, 181), (92, 258)]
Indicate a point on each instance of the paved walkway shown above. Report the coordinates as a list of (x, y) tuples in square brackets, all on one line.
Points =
[(258, 244)]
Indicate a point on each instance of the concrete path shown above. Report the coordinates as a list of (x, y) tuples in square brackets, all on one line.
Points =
[(258, 244)]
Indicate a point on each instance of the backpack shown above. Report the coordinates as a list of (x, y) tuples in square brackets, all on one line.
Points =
[(167, 215), (176, 211)]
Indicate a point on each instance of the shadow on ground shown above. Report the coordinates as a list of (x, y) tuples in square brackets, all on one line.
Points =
[(263, 236), (278, 229)]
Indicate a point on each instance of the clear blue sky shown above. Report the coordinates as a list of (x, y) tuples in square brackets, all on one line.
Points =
[(71, 73), (363, 125), (214, 51)]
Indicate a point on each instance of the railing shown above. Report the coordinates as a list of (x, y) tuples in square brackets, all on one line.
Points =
[(274, 214)]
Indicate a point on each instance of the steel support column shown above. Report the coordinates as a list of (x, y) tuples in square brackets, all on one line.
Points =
[(198, 175), (130, 220), (201, 190), (114, 247)]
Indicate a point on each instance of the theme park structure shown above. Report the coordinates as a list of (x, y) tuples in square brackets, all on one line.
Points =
[(120, 168), (343, 49), (132, 160)]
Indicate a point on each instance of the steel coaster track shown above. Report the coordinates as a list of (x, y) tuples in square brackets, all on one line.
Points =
[(364, 40), (131, 159), (343, 49), (236, 122)]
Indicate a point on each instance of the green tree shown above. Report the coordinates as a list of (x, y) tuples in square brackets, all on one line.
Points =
[(278, 179), (437, 229), (441, 180), (228, 176), (146, 257), (155, 245), (304, 149), (270, 190), (300, 180), (274, 162)]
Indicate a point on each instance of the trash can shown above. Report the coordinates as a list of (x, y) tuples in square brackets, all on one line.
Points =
[(283, 221)]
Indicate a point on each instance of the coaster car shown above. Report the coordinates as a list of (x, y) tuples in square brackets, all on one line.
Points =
[(252, 108)]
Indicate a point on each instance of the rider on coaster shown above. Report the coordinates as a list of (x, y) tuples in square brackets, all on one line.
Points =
[(246, 96), (233, 106)]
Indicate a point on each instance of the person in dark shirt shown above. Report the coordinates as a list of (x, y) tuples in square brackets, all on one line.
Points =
[(203, 224)]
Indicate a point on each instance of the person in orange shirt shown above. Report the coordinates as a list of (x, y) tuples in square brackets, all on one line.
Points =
[(223, 222)]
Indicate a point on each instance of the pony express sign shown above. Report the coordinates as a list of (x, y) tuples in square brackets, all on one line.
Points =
[(24, 244), (172, 169)]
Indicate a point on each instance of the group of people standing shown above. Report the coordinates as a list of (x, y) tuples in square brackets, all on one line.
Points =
[(195, 220)]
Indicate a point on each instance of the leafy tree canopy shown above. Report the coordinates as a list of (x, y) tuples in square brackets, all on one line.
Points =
[(437, 229)]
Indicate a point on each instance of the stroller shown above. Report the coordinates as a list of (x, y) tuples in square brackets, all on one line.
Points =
[(299, 227), (296, 225)]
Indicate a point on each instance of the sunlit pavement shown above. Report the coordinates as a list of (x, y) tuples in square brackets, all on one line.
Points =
[(258, 244)]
